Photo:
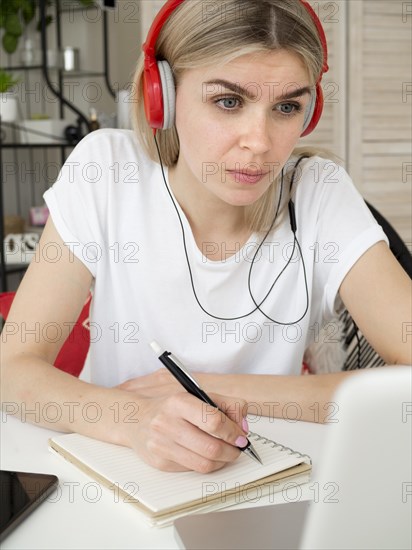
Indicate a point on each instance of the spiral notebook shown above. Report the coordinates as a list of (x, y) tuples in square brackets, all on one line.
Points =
[(162, 497)]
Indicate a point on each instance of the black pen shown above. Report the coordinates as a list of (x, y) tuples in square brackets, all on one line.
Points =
[(175, 367)]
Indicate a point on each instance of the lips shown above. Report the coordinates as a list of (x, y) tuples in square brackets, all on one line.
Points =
[(246, 176)]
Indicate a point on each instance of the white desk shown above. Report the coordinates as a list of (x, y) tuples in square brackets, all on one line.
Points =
[(80, 515)]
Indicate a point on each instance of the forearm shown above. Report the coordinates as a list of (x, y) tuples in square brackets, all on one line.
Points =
[(309, 398), (39, 393)]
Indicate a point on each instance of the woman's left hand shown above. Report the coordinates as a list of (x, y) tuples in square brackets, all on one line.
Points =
[(162, 383), (156, 384)]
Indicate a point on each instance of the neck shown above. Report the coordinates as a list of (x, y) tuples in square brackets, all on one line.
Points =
[(206, 213)]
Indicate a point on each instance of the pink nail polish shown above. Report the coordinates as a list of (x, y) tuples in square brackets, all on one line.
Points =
[(241, 441), (245, 426)]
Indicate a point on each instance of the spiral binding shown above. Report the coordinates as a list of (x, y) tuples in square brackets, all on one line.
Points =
[(256, 437)]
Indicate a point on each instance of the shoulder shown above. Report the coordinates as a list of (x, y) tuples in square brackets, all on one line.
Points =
[(110, 135), (110, 155), (107, 144), (326, 197), (321, 183), (317, 173), (113, 136)]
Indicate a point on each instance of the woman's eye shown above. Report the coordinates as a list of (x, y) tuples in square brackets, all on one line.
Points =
[(228, 103), (289, 108)]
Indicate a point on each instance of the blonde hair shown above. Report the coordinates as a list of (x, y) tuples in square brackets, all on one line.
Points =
[(193, 37)]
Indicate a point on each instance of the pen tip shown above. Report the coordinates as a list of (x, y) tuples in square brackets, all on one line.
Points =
[(156, 348), (253, 454)]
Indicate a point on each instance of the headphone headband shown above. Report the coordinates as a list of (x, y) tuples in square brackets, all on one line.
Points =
[(322, 36), (154, 31), (158, 84)]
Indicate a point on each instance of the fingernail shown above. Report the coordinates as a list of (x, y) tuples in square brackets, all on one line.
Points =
[(245, 426), (241, 441)]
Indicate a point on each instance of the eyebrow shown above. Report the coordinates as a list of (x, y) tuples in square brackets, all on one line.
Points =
[(238, 89)]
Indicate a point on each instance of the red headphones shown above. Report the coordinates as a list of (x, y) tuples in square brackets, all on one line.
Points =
[(158, 83)]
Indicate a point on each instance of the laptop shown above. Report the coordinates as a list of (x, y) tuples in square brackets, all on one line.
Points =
[(365, 472)]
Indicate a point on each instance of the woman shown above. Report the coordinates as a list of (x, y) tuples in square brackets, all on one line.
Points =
[(214, 237)]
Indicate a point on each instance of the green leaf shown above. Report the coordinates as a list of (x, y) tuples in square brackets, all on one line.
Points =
[(28, 10), (10, 42), (13, 25), (6, 81), (15, 5), (6, 7)]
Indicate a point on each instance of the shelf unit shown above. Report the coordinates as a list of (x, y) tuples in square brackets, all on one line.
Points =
[(11, 149)]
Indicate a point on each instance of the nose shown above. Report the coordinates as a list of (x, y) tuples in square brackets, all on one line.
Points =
[(255, 134)]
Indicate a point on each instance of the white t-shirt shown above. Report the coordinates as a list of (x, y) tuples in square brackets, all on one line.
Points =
[(110, 205)]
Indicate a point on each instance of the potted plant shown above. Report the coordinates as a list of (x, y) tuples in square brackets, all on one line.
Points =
[(8, 101), (15, 15)]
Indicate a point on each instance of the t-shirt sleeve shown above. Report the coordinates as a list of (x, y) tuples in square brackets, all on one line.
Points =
[(344, 229), (77, 199)]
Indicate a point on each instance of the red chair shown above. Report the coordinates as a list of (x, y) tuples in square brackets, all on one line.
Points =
[(73, 353)]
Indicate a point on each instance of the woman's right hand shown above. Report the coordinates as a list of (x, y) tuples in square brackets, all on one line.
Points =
[(180, 432)]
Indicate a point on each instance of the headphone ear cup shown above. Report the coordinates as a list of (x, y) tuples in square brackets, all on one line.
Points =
[(168, 94), (313, 111), (152, 94), (310, 108)]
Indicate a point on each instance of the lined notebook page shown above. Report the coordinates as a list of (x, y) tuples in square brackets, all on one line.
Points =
[(159, 490)]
